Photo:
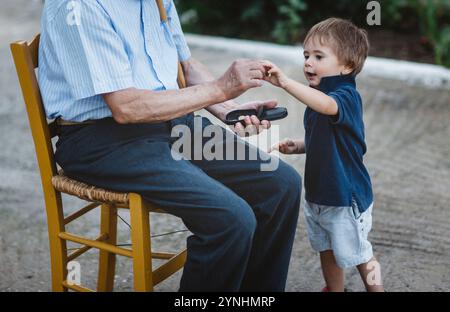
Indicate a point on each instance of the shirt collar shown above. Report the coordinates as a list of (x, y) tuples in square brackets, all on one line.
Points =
[(331, 83)]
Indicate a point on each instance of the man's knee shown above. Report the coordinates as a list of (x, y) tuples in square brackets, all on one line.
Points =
[(283, 190), (242, 219), (233, 217)]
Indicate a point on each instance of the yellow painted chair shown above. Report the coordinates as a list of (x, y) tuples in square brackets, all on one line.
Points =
[(55, 183)]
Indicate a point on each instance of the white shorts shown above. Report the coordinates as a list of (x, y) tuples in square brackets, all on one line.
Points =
[(344, 230)]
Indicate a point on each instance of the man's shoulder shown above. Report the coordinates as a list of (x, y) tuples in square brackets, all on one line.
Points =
[(52, 8)]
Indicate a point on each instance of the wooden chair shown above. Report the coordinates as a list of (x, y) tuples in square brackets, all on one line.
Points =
[(55, 183)]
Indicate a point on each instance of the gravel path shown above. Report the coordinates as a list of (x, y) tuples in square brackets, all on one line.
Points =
[(408, 135)]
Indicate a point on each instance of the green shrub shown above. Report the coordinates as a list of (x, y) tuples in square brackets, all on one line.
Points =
[(290, 25), (432, 14)]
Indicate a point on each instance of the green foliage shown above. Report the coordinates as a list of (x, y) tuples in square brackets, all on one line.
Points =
[(436, 32), (286, 21), (290, 26)]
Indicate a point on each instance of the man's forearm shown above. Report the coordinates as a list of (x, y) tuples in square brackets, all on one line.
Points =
[(144, 106)]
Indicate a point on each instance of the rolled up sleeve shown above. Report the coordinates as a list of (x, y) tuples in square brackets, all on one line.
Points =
[(92, 56)]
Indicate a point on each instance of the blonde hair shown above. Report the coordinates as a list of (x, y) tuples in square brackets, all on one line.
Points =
[(350, 43)]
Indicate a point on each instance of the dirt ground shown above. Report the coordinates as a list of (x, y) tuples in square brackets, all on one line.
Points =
[(408, 136)]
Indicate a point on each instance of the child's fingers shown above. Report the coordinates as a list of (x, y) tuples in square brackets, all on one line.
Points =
[(284, 148), (267, 63), (267, 67), (290, 142), (275, 147), (269, 71)]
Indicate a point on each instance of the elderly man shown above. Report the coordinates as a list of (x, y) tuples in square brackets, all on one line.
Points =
[(110, 68)]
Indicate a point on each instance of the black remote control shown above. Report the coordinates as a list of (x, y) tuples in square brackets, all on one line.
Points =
[(263, 113)]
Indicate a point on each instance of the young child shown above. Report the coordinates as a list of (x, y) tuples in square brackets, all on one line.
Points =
[(338, 189)]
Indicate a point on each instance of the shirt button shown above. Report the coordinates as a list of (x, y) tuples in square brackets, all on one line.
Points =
[(361, 220)]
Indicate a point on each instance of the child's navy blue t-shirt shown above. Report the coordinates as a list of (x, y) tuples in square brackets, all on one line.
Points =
[(335, 146)]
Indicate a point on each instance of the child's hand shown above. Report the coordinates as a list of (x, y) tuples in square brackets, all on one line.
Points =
[(289, 146), (274, 75)]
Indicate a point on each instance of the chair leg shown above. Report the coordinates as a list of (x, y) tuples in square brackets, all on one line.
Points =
[(58, 264), (58, 246), (107, 260), (140, 237)]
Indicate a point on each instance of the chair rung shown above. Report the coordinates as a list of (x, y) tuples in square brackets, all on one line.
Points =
[(171, 266), (162, 255), (80, 212), (96, 244), (76, 287), (82, 250)]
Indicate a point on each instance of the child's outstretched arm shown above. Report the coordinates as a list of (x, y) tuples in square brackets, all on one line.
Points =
[(315, 99)]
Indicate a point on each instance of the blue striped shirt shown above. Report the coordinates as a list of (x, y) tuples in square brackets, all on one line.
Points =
[(92, 47)]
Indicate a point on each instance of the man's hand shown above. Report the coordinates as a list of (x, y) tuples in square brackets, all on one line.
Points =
[(242, 75), (251, 124)]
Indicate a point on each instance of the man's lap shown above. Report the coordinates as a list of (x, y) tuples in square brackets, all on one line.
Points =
[(138, 158)]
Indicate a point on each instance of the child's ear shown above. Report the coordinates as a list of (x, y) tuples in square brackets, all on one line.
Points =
[(347, 70)]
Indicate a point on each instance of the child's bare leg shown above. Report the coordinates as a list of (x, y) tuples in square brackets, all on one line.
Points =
[(371, 275), (333, 274)]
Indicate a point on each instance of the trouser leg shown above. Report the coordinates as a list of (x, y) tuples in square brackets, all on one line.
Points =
[(274, 197)]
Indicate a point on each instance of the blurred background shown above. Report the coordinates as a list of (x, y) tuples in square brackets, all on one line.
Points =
[(416, 30), (406, 115)]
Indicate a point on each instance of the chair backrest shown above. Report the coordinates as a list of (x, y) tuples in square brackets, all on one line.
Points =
[(26, 60)]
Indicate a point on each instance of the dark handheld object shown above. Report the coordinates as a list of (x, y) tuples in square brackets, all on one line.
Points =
[(263, 114)]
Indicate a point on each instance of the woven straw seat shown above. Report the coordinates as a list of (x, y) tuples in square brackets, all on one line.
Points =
[(87, 192)]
